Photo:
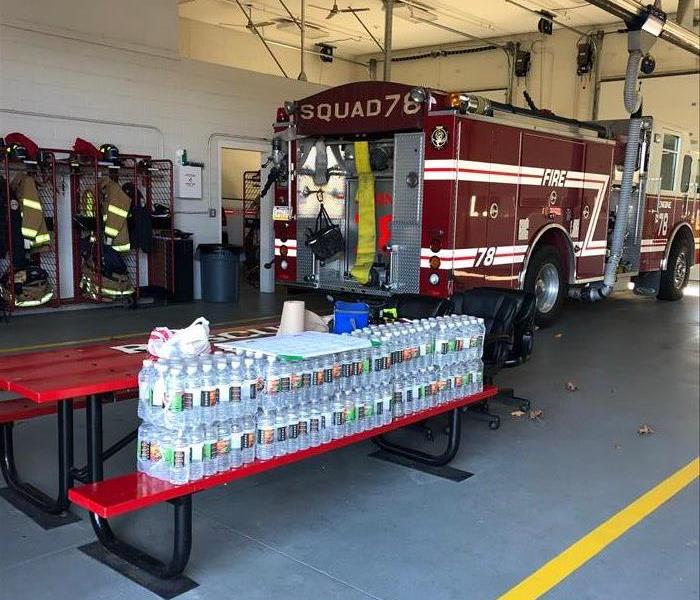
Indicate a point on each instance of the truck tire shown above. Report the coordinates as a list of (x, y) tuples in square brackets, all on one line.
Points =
[(677, 272), (545, 278)]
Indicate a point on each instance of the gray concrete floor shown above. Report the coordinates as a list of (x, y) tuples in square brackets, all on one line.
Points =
[(346, 526)]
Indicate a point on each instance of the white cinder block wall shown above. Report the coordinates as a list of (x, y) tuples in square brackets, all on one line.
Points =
[(58, 83)]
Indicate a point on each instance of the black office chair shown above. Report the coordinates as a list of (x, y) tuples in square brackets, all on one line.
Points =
[(414, 306), (509, 317)]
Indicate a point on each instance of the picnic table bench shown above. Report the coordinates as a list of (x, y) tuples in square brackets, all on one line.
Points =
[(58, 381)]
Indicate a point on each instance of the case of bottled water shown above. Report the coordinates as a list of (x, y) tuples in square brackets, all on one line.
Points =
[(206, 415)]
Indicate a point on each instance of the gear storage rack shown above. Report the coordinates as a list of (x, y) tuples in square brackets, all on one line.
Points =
[(44, 169)]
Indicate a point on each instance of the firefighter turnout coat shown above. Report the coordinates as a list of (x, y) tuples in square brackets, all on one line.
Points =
[(115, 210), (34, 230)]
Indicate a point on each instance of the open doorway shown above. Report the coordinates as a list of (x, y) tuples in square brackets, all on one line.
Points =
[(240, 206)]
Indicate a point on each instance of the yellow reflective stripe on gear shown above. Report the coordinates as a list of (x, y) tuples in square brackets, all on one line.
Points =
[(27, 303), (28, 232), (31, 203), (111, 231), (122, 248), (42, 238), (120, 212), (117, 292), (366, 222)]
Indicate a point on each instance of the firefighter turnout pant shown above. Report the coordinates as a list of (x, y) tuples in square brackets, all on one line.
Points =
[(34, 230), (115, 210)]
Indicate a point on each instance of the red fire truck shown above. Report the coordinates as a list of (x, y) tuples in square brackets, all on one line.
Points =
[(471, 193)]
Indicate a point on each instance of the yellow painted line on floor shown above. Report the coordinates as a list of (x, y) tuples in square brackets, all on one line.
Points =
[(576, 555), (120, 336)]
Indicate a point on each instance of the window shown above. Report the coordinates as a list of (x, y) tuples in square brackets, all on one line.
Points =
[(669, 159), (685, 173)]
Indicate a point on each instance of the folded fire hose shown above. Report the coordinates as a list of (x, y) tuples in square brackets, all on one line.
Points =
[(366, 225)]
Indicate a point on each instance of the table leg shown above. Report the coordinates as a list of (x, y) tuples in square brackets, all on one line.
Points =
[(28, 492), (182, 533), (434, 460)]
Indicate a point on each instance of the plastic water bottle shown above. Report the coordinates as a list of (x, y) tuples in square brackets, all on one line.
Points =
[(196, 453), (281, 425), (159, 391), (143, 447), (349, 415), (265, 441), (338, 418), (248, 439), (223, 446), (249, 389), (210, 393), (180, 459), (326, 423), (360, 410), (209, 450), (235, 452), (314, 424), (191, 395), (145, 378), (368, 405), (235, 391), (408, 398), (156, 457), (303, 440), (292, 429), (173, 403), (223, 378), (272, 384)]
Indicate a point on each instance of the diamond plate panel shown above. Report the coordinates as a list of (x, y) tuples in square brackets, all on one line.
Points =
[(407, 211)]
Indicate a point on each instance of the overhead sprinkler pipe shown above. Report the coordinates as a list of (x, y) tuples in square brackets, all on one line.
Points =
[(388, 30), (302, 74)]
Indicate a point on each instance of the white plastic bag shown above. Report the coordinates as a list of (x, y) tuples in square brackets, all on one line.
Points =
[(191, 341)]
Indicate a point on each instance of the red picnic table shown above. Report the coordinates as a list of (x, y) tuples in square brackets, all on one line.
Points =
[(58, 378), (57, 381)]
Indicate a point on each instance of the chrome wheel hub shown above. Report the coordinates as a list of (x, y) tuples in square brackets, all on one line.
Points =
[(680, 271), (546, 287)]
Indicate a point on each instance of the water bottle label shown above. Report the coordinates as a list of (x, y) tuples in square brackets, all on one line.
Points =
[(346, 370), (360, 412), (236, 441), (314, 424), (350, 414), (398, 396), (144, 450), (281, 434), (155, 452), (235, 393), (209, 450), (366, 365), (224, 394), (223, 446), (249, 390), (328, 375), (292, 430), (379, 407), (209, 397), (409, 395), (196, 452), (319, 377), (479, 377), (306, 378), (188, 397), (266, 436), (168, 456), (338, 417), (468, 377), (369, 410), (180, 457), (459, 381), (285, 383), (379, 363), (336, 371), (158, 392), (303, 427), (443, 346), (248, 439), (175, 402), (273, 385), (407, 354), (295, 381)]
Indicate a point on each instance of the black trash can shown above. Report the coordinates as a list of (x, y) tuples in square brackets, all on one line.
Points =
[(220, 271)]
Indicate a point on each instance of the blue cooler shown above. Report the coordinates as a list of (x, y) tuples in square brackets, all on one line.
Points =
[(349, 316)]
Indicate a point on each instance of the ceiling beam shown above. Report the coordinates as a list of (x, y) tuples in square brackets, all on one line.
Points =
[(672, 32)]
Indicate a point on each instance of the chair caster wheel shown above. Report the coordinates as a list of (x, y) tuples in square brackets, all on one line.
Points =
[(495, 424)]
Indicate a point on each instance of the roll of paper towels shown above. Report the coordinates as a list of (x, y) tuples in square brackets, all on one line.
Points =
[(292, 320)]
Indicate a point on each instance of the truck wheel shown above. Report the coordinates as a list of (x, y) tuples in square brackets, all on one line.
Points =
[(545, 279), (677, 272)]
